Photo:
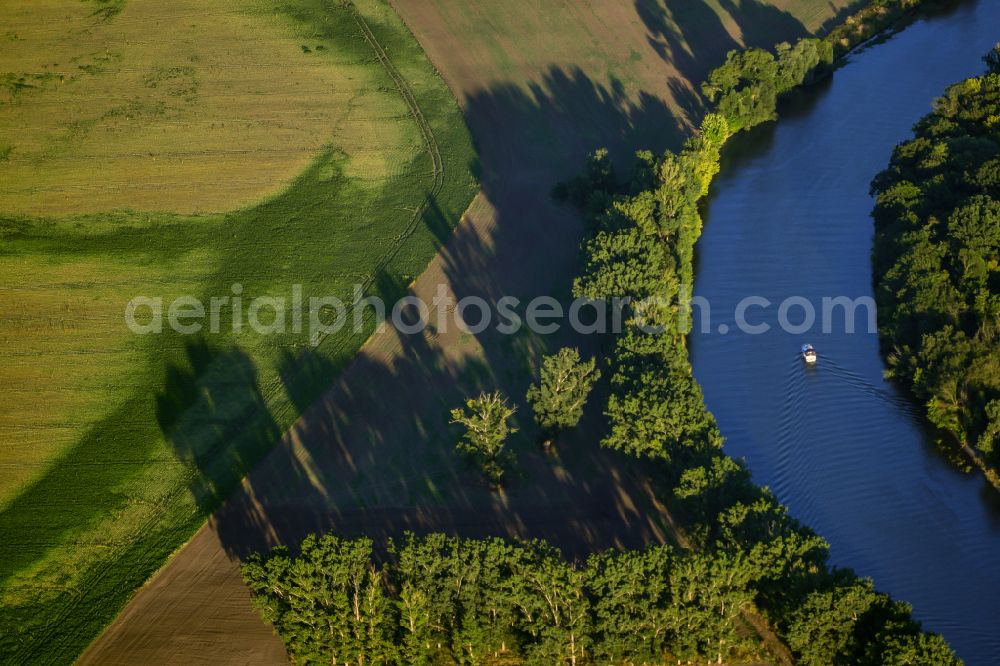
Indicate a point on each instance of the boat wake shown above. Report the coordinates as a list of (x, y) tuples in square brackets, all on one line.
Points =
[(884, 393), (791, 429)]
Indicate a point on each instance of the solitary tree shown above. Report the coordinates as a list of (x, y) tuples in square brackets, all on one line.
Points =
[(487, 426), (559, 397)]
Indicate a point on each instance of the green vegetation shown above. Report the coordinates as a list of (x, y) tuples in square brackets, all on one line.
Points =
[(440, 600), (643, 233), (103, 119), (559, 397), (455, 601), (937, 264), (748, 84), (486, 420), (141, 437)]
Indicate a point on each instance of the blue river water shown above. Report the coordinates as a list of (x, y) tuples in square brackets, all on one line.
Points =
[(789, 216)]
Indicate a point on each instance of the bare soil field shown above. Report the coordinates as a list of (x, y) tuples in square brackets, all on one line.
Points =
[(541, 84)]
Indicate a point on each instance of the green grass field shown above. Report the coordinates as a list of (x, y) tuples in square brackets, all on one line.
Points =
[(117, 446), (157, 106)]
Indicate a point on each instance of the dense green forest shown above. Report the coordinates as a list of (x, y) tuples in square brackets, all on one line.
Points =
[(937, 264), (441, 600)]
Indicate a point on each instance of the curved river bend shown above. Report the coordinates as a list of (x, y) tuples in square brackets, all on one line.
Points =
[(790, 216)]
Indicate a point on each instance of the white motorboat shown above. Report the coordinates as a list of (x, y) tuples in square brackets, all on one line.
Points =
[(809, 354)]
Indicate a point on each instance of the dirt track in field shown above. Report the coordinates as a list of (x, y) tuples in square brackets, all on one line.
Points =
[(374, 455)]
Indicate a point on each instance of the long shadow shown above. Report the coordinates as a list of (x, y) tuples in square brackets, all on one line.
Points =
[(189, 411), (215, 417), (550, 127), (375, 454), (762, 24), (688, 34), (211, 412), (839, 16), (692, 38)]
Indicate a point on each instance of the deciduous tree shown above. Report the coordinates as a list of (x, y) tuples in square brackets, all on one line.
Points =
[(562, 391), (486, 420)]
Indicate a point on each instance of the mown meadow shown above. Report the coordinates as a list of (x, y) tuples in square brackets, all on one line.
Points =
[(116, 445)]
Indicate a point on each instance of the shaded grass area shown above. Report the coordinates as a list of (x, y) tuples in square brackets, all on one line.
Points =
[(158, 429)]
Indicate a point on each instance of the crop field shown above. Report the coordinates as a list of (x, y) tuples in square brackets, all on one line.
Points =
[(166, 149), (156, 106)]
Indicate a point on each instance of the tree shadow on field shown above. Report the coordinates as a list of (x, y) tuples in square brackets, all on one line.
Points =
[(688, 34), (214, 415), (552, 124), (693, 38), (437, 222), (375, 454), (689, 101), (838, 16), (762, 24)]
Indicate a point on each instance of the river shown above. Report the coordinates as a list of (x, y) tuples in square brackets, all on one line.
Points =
[(789, 215)]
